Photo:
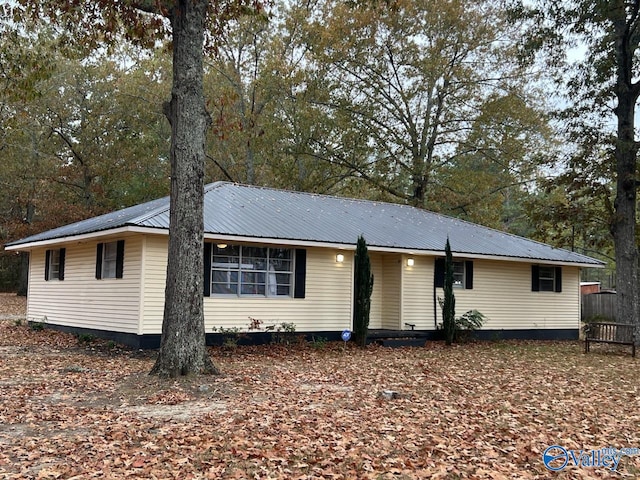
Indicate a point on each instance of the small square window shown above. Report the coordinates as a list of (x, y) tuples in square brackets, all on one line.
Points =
[(54, 264), (462, 273), (110, 260), (458, 274), (547, 279)]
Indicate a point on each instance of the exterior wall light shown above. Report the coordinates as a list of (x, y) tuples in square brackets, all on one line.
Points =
[(410, 262), (222, 246), (339, 258)]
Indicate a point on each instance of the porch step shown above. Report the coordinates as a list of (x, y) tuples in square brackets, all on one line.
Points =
[(399, 342), (398, 338), (375, 334)]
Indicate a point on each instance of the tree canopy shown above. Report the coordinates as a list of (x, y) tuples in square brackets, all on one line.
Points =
[(430, 103), (602, 91)]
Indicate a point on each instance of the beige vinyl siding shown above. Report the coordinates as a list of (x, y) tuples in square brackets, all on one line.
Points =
[(80, 300), (402, 294), (391, 291), (502, 292), (326, 306), (417, 293), (375, 315), (156, 249)]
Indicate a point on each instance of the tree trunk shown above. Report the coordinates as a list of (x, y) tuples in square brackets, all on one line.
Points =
[(624, 224), (183, 345), (23, 276), (624, 228)]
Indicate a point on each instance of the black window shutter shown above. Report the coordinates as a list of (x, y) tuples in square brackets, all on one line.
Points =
[(559, 279), (468, 275), (99, 260), (119, 258), (439, 272), (207, 269), (300, 274), (63, 252), (47, 260), (535, 278)]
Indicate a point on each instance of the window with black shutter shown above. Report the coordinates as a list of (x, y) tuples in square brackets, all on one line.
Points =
[(54, 264), (462, 274), (546, 278), (110, 260), (247, 270)]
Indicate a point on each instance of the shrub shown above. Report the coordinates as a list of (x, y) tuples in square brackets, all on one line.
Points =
[(467, 324), (230, 336), (85, 337), (254, 324), (36, 326), (318, 342), (449, 303), (284, 333), (363, 289)]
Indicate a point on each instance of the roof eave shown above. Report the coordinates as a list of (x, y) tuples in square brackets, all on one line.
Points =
[(84, 236), (402, 250), (288, 242)]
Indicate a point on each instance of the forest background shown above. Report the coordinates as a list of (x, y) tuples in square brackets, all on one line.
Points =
[(431, 104)]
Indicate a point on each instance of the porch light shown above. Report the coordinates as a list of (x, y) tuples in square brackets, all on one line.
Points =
[(339, 258), (222, 246), (410, 262)]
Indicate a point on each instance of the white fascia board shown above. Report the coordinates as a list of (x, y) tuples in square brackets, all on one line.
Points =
[(87, 236), (275, 241), (405, 251), (504, 258), (287, 242), (533, 261), (309, 243)]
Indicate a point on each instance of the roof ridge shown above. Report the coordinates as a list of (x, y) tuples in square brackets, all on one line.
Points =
[(153, 212), (315, 194), (165, 207), (217, 184), (399, 205), (364, 200)]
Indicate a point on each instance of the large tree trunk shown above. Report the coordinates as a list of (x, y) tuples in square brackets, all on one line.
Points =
[(624, 224), (183, 345), (23, 276)]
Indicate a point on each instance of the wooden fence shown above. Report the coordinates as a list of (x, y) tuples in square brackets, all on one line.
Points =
[(600, 305)]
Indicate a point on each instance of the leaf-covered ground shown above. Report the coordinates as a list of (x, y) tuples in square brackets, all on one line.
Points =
[(76, 409), (12, 306)]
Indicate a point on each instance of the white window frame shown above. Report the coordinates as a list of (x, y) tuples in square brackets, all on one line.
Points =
[(54, 265), (459, 272), (547, 280), (109, 259)]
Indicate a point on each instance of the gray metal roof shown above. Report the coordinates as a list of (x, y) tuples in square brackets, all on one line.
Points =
[(257, 212)]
